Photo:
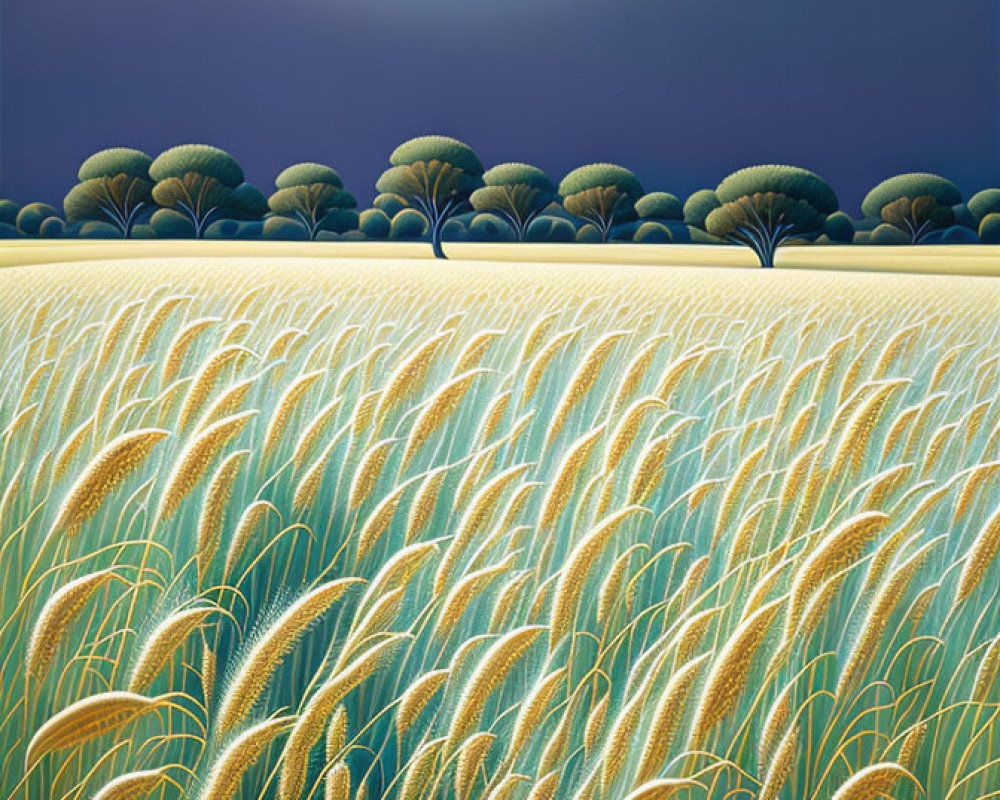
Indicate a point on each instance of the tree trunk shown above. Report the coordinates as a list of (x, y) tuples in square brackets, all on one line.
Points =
[(436, 240)]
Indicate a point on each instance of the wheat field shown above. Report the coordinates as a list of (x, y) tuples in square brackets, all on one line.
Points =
[(357, 529)]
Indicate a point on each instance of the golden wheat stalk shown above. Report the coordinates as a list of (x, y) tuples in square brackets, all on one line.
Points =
[(465, 591), (181, 344), (666, 720), (472, 354), (55, 620), (651, 462), (368, 471), (416, 697), (85, 720), (582, 381), (442, 404), (663, 788), (781, 765), (305, 445), (566, 476), (195, 459), (727, 680), (117, 330), (205, 379), (250, 522), (627, 429), (403, 383), (838, 550), (421, 769), (227, 771), (493, 668), (156, 322), (161, 645), (471, 758), (309, 727), (106, 471), (269, 651), (980, 556), (132, 785), (874, 781), (536, 370), (213, 510), (573, 576)]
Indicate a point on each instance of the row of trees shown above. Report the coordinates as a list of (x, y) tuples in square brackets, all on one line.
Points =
[(436, 188)]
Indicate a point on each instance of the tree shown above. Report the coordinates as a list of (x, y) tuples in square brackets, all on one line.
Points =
[(198, 180), (763, 206), (601, 194), (915, 203), (114, 187), (437, 174), (984, 203), (517, 193), (310, 193)]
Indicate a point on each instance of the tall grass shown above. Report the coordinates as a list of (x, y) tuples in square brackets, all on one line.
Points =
[(300, 531)]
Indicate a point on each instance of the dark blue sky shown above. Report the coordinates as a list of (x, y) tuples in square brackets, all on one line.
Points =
[(681, 91)]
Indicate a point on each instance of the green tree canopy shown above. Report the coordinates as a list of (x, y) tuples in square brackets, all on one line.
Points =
[(437, 174), (659, 205), (114, 187), (310, 192), (517, 193), (601, 194), (198, 180), (911, 185), (763, 206)]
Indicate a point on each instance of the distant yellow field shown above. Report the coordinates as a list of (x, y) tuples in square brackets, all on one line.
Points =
[(944, 259)]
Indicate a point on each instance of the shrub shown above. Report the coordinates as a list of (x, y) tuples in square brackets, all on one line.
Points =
[(989, 228), (490, 228), (548, 228), (170, 224), (589, 234), (51, 228), (886, 234), (408, 224), (278, 227), (390, 203), (8, 231), (30, 218), (653, 233), (659, 206), (698, 206), (95, 229), (984, 203), (8, 212), (374, 223), (839, 227)]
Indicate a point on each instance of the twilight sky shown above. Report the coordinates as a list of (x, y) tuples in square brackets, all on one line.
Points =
[(681, 91)]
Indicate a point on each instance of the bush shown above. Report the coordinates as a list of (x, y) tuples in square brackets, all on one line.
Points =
[(339, 220), (965, 217), (235, 229), (408, 224), (95, 229), (653, 233), (955, 234), (170, 224), (989, 229), (984, 203), (547, 228), (839, 228), (659, 205), (454, 231), (30, 218), (699, 205), (51, 228), (588, 234), (143, 231), (8, 231), (390, 203), (489, 228), (8, 212), (862, 237), (886, 234), (278, 227), (374, 223)]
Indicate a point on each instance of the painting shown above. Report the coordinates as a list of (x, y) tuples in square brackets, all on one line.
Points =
[(438, 400)]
